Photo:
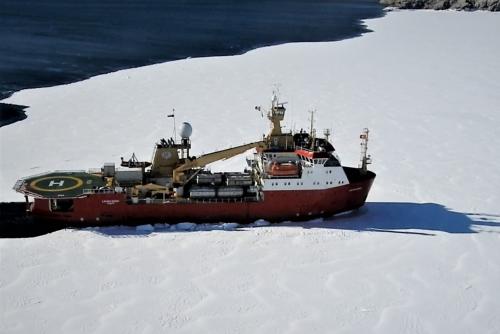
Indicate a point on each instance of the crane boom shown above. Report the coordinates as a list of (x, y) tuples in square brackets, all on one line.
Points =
[(218, 155)]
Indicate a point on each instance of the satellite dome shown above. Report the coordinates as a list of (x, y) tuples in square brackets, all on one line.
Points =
[(186, 130)]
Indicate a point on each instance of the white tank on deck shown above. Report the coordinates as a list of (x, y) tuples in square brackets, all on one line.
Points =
[(230, 191), (202, 192), (108, 169), (128, 176), (208, 178), (239, 180)]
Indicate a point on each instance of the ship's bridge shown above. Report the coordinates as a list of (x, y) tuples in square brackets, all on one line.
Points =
[(59, 184)]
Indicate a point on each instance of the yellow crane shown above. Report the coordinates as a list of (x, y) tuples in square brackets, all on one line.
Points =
[(202, 161)]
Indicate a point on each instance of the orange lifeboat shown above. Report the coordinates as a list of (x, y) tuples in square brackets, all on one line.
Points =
[(283, 169)]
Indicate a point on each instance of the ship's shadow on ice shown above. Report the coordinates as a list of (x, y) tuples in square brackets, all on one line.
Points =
[(410, 218), (389, 217)]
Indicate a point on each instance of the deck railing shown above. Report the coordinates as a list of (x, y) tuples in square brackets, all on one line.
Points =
[(190, 200), (98, 191)]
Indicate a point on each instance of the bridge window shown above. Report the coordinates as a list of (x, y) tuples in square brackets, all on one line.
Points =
[(332, 162)]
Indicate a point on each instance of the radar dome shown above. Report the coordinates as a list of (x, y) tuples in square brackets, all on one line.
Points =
[(186, 130)]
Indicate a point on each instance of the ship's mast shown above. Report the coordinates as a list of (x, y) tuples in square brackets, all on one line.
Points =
[(173, 116), (365, 159), (276, 114), (312, 121), (312, 131)]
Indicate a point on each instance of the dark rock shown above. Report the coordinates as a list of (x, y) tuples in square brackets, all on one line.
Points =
[(11, 113), (491, 5)]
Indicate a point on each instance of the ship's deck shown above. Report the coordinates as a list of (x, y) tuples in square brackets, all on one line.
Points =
[(59, 184)]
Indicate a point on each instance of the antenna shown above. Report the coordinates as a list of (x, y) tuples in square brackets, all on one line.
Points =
[(275, 98), (327, 133), (259, 108), (173, 116), (276, 90)]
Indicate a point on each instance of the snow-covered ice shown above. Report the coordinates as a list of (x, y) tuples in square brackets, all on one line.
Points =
[(184, 227), (261, 222), (145, 228), (421, 257)]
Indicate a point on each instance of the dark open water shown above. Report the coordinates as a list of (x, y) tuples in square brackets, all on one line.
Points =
[(49, 42)]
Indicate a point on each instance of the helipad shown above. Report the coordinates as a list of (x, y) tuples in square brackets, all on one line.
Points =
[(59, 184)]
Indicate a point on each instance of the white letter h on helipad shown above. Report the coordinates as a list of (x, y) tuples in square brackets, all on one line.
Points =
[(52, 183)]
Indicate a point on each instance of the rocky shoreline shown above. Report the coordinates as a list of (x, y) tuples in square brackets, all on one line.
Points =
[(491, 5)]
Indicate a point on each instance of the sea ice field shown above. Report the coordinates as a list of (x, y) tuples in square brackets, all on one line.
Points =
[(422, 256)]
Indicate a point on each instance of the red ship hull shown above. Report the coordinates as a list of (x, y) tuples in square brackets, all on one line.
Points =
[(102, 209)]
